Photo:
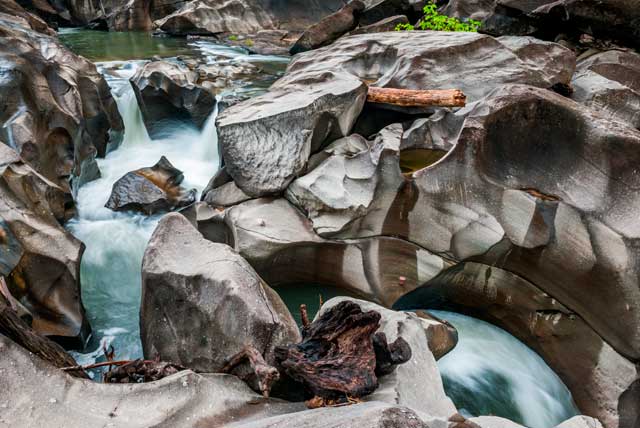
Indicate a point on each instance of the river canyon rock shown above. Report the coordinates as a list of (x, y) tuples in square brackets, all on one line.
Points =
[(246, 16), (151, 190), (202, 302), (330, 28), (280, 244), (42, 264), (181, 400), (377, 10), (14, 11), (266, 141), (596, 374), (59, 113), (609, 82), (471, 62), (609, 19), (580, 422), (170, 92), (556, 209)]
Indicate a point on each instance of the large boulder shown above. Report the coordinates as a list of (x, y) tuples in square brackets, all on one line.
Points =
[(609, 82), (183, 400), (266, 141), (246, 16), (377, 10), (58, 110), (471, 62), (330, 28), (417, 383), (202, 302), (12, 10), (151, 190), (170, 92), (41, 260), (607, 19)]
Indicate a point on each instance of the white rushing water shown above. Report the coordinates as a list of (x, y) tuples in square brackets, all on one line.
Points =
[(111, 264), (492, 372)]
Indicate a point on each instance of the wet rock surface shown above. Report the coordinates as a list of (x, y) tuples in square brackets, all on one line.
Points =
[(40, 260), (170, 92), (151, 190), (59, 113), (609, 82), (202, 302), (266, 141)]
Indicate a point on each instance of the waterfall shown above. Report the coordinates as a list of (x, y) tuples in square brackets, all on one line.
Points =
[(492, 372), (115, 242)]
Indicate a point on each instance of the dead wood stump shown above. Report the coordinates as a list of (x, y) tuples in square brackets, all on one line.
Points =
[(338, 355)]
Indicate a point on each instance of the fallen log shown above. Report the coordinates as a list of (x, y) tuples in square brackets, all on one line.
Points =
[(16, 329), (139, 371), (417, 98)]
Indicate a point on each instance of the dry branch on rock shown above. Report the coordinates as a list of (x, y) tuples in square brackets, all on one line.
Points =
[(417, 98)]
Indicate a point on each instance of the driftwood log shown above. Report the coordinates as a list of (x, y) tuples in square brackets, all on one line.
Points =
[(266, 375), (139, 371), (338, 355), (417, 98), (16, 329)]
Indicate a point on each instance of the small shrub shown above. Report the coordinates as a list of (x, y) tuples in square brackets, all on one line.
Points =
[(233, 38), (248, 42), (432, 20)]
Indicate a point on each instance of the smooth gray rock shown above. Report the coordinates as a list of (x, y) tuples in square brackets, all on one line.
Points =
[(151, 190), (342, 188), (42, 260), (387, 24), (378, 10), (58, 111), (282, 247), (364, 415), (170, 92), (609, 82), (226, 195), (36, 391), (417, 383), (472, 62), (202, 302), (492, 422), (580, 422), (330, 28), (246, 16), (266, 141)]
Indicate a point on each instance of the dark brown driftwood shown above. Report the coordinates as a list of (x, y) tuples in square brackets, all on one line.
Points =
[(265, 374), (138, 371), (417, 98), (336, 358), (12, 326), (389, 355)]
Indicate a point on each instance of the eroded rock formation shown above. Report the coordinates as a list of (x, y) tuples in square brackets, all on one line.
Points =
[(202, 302), (151, 190), (40, 260), (59, 113)]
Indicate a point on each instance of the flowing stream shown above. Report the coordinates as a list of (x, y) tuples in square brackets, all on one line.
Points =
[(489, 372)]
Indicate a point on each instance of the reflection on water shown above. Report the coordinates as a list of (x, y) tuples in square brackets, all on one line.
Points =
[(114, 46), (491, 372)]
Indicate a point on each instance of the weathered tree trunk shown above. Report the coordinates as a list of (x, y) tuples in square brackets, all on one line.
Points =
[(337, 358), (12, 326), (417, 98)]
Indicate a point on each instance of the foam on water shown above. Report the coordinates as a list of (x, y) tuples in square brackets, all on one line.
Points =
[(111, 264), (492, 372)]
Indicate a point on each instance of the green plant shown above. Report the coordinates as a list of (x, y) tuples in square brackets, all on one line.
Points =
[(432, 20), (248, 42), (233, 37)]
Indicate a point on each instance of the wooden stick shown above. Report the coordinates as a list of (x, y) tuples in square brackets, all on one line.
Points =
[(266, 374), (304, 316), (417, 98), (102, 364)]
